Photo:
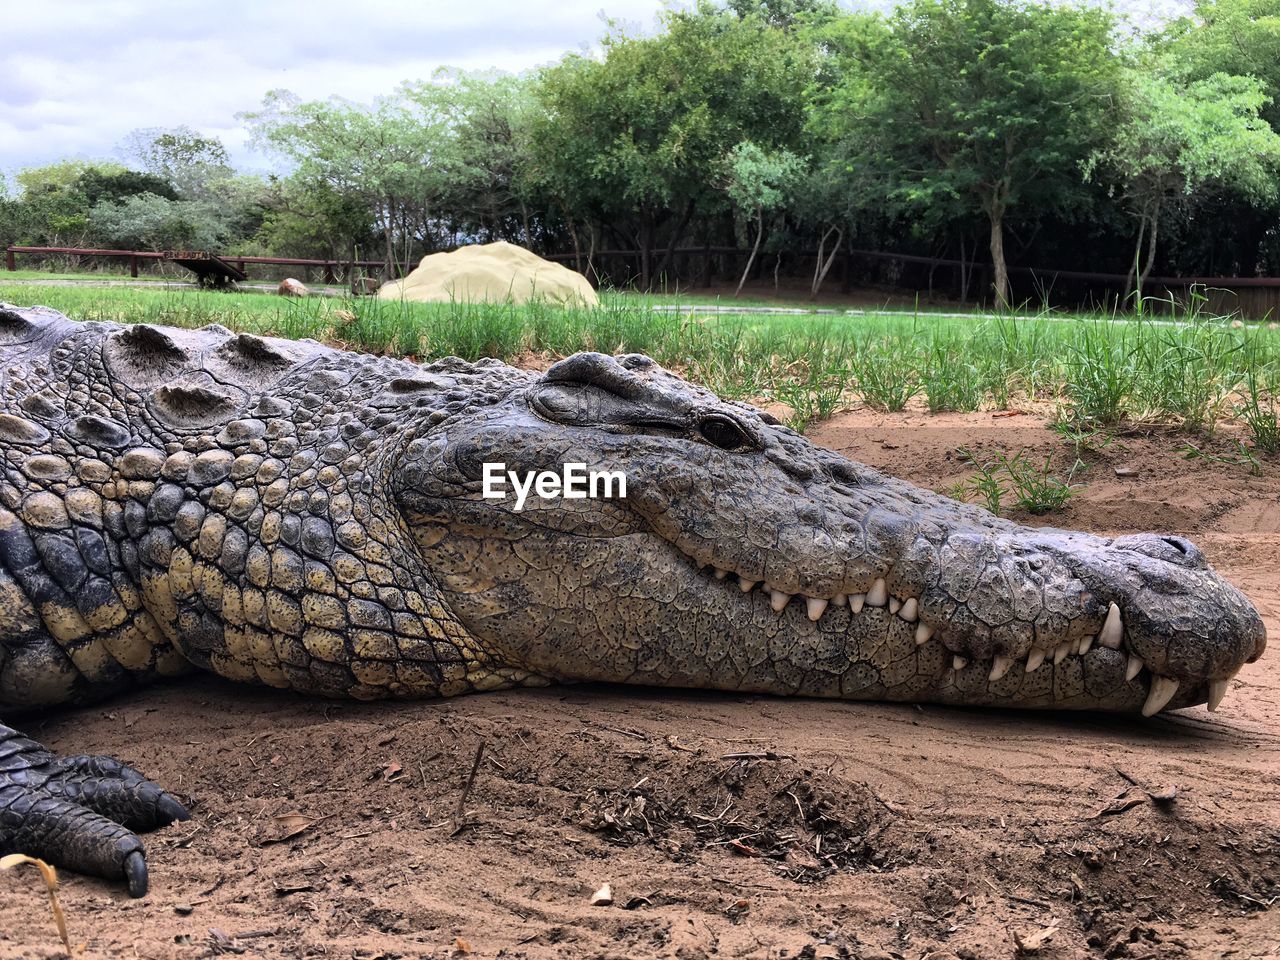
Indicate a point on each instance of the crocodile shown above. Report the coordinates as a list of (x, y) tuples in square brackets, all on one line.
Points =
[(285, 513)]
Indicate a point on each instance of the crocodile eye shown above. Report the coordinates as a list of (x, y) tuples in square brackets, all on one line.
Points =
[(723, 432)]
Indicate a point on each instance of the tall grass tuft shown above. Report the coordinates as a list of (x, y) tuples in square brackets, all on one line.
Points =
[(887, 372), (1101, 375), (1186, 374), (1033, 487), (951, 380), (1258, 412)]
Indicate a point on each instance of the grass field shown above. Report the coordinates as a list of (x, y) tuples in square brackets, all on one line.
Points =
[(1101, 372), (101, 277), (93, 277)]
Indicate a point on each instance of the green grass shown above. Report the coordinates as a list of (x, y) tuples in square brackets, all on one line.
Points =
[(1257, 410), (1102, 373), (1029, 485), (94, 276), (951, 378)]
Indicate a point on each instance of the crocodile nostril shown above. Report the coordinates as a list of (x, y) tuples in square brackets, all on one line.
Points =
[(1190, 554), (1259, 645), (1166, 547)]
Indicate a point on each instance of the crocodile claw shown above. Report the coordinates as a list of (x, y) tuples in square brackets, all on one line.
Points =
[(135, 871), (82, 813)]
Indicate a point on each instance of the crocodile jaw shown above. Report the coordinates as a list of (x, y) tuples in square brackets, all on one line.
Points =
[(786, 568), (633, 608)]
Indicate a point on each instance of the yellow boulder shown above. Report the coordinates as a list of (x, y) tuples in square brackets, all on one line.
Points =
[(494, 273)]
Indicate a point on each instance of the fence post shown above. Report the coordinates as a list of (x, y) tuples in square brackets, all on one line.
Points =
[(133, 267), (9, 259)]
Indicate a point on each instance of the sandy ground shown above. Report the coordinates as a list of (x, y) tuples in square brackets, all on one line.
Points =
[(727, 826)]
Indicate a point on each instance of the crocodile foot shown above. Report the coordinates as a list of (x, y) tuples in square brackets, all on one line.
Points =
[(82, 813)]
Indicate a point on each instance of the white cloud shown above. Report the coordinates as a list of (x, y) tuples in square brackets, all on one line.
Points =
[(77, 75), (80, 74)]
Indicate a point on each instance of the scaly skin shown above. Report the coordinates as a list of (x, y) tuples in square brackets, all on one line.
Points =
[(283, 513)]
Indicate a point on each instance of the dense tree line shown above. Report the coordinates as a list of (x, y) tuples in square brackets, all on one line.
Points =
[(989, 131)]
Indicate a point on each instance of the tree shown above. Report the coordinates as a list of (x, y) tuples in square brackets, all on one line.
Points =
[(840, 188), (53, 209), (1178, 141), (383, 155), (783, 13), (630, 140), (55, 203), (56, 177), (149, 222), (1238, 37), (828, 197), (314, 220), (180, 156), (481, 154), (12, 216), (105, 184), (758, 182), (984, 107)]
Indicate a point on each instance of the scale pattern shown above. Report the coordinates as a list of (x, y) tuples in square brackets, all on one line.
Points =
[(196, 497)]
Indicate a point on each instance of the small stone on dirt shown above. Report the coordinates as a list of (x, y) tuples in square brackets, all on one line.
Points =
[(602, 897)]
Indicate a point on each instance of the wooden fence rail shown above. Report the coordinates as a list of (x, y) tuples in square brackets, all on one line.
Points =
[(332, 268), (1253, 297)]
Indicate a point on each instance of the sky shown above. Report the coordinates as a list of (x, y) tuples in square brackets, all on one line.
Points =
[(76, 76)]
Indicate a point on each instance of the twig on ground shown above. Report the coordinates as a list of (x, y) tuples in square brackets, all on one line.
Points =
[(460, 815)]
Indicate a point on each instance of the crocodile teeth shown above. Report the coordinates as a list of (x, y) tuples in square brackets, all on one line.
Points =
[(746, 586), (878, 594), (1217, 690), (816, 607), (1035, 658), (999, 667), (894, 604), (1112, 631), (1085, 644), (910, 610), (839, 600), (958, 662), (721, 574), (923, 633), (1133, 668), (778, 600), (856, 601), (1061, 650), (1162, 691)]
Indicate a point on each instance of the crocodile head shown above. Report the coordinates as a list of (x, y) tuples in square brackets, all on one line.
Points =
[(745, 557)]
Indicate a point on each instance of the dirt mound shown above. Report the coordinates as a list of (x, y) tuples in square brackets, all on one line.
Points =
[(727, 826), (807, 824), (491, 272)]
